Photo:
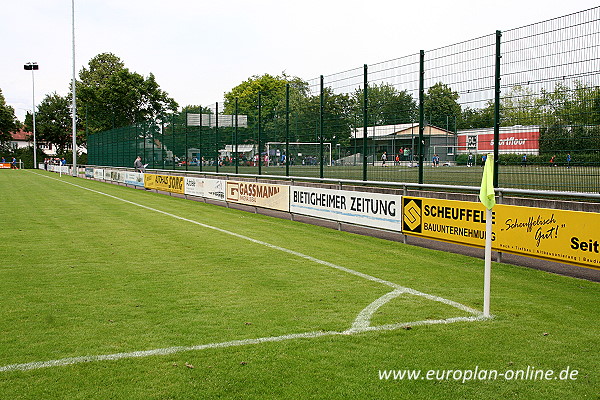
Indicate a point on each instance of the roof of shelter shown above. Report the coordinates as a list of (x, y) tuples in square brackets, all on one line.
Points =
[(389, 131)]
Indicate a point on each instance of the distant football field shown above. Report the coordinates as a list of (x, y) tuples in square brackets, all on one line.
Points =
[(110, 292), (532, 177)]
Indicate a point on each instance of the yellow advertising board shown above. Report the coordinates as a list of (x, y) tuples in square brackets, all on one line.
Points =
[(565, 236), (166, 183), (264, 195)]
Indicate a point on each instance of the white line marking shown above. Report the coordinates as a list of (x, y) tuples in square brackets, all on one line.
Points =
[(360, 324), (363, 320)]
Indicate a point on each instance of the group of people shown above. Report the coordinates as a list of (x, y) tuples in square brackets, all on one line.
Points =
[(435, 160), (552, 160), (13, 163), (54, 161), (403, 155)]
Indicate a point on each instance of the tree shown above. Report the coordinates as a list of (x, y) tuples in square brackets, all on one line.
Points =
[(386, 105), (520, 106), (472, 118), (566, 106), (54, 122), (337, 118), (571, 117), (272, 90), (8, 121), (109, 95), (441, 103)]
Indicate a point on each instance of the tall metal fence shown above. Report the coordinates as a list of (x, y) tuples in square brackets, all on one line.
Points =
[(530, 96)]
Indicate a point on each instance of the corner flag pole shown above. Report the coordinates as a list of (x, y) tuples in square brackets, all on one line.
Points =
[(488, 199)]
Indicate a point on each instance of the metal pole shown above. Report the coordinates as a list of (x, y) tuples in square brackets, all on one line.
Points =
[(163, 152), (497, 108), (217, 136), (173, 139), (487, 272), (365, 115), (74, 106), (200, 152), (287, 129), (237, 153), (259, 133), (33, 108), (187, 160), (421, 112), (321, 112)]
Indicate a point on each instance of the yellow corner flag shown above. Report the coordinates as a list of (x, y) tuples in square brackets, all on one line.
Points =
[(486, 193)]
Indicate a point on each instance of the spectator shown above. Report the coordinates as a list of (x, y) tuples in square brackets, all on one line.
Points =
[(137, 164)]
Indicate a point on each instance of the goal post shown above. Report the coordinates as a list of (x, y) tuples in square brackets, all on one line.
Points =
[(301, 153)]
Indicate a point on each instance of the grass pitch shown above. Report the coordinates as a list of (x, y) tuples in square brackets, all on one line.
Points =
[(83, 275)]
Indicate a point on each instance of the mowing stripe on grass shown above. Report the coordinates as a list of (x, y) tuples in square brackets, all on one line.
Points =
[(360, 324)]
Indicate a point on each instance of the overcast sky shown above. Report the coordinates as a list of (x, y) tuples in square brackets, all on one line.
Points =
[(199, 50)]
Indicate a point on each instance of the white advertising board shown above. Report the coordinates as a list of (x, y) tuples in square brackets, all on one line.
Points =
[(134, 178), (114, 175), (362, 208), (205, 187), (98, 173)]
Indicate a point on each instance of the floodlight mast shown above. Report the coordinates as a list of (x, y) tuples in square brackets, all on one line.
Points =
[(33, 66), (74, 106)]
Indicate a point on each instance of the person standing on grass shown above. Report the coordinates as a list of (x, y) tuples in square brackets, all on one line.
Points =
[(568, 160), (552, 161), (137, 164), (383, 159), (13, 163)]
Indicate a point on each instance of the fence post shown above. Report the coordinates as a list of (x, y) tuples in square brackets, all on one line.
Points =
[(259, 133), (237, 153), (162, 142), (153, 145), (287, 129), (497, 108), (421, 112), (321, 111), (217, 136), (187, 160), (365, 116), (173, 137), (200, 152)]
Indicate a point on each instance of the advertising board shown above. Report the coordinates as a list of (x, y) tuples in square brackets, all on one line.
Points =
[(363, 208), (558, 235), (258, 194)]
